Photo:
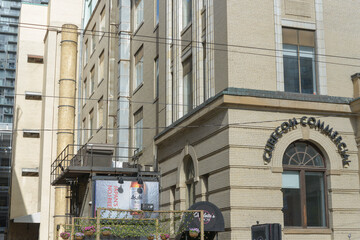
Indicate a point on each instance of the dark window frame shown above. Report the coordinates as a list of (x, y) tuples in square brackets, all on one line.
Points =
[(300, 38), (302, 171)]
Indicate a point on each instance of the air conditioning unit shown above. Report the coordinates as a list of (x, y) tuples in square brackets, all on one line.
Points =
[(266, 231)]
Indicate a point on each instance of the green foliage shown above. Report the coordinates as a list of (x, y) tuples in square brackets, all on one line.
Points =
[(129, 224)]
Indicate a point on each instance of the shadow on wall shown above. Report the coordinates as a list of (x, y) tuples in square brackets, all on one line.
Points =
[(21, 231), (17, 204)]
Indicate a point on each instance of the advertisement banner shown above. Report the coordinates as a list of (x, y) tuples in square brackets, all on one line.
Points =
[(127, 196)]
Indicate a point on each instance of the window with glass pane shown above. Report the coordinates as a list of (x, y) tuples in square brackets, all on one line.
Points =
[(92, 80), (86, 53), (157, 77), (299, 61), (157, 12), (189, 180), (139, 12), (187, 83), (85, 91), (139, 66), (100, 112), (102, 22), (138, 120), (91, 123), (93, 38), (303, 186), (101, 67), (84, 137), (186, 12)]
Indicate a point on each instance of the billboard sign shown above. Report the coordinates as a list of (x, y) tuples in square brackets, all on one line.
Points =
[(127, 196)]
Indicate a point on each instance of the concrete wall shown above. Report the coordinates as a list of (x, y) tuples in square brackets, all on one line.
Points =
[(24, 191), (241, 184), (250, 67), (59, 13), (338, 22), (246, 37)]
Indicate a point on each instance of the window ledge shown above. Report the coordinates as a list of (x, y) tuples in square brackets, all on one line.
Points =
[(138, 28), (100, 82), (99, 129), (156, 27), (84, 105), (307, 231), (92, 94), (102, 36), (185, 28), (93, 51), (138, 87), (155, 100)]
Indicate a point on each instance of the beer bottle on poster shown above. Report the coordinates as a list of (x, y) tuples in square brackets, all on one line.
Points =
[(136, 195)]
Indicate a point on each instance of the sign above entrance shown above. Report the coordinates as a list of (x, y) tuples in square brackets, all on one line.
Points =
[(285, 127)]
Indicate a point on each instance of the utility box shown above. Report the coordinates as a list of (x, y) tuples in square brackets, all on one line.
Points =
[(269, 231)]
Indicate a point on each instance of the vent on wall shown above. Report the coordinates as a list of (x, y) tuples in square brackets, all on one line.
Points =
[(30, 172), (31, 134), (35, 59), (33, 96)]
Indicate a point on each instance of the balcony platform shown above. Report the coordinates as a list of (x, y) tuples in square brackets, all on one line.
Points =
[(92, 159)]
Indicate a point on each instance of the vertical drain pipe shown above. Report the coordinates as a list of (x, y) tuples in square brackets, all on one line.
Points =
[(66, 111)]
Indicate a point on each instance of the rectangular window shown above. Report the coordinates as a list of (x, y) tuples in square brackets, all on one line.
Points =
[(138, 125), (4, 180), (31, 133), (85, 92), (90, 7), (100, 112), (292, 198), (157, 6), (93, 38), (190, 194), (187, 84), (35, 59), (91, 123), (33, 95), (206, 85), (299, 61), (101, 67), (186, 12), (304, 198), (139, 12), (315, 199), (102, 22), (92, 80), (86, 52), (84, 139), (139, 67), (4, 199), (156, 80)]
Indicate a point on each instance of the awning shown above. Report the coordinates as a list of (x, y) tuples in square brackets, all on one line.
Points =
[(32, 218), (213, 218)]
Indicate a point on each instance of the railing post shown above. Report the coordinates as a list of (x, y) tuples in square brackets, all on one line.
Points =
[(98, 224), (202, 224), (157, 228), (72, 228)]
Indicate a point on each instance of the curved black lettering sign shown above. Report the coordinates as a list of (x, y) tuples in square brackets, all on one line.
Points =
[(285, 127)]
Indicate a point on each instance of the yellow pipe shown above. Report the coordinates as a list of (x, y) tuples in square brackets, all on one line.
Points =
[(66, 111)]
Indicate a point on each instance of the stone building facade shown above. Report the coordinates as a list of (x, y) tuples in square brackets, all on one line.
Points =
[(251, 105)]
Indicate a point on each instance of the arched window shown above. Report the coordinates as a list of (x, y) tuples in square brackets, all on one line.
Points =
[(303, 186), (189, 180)]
